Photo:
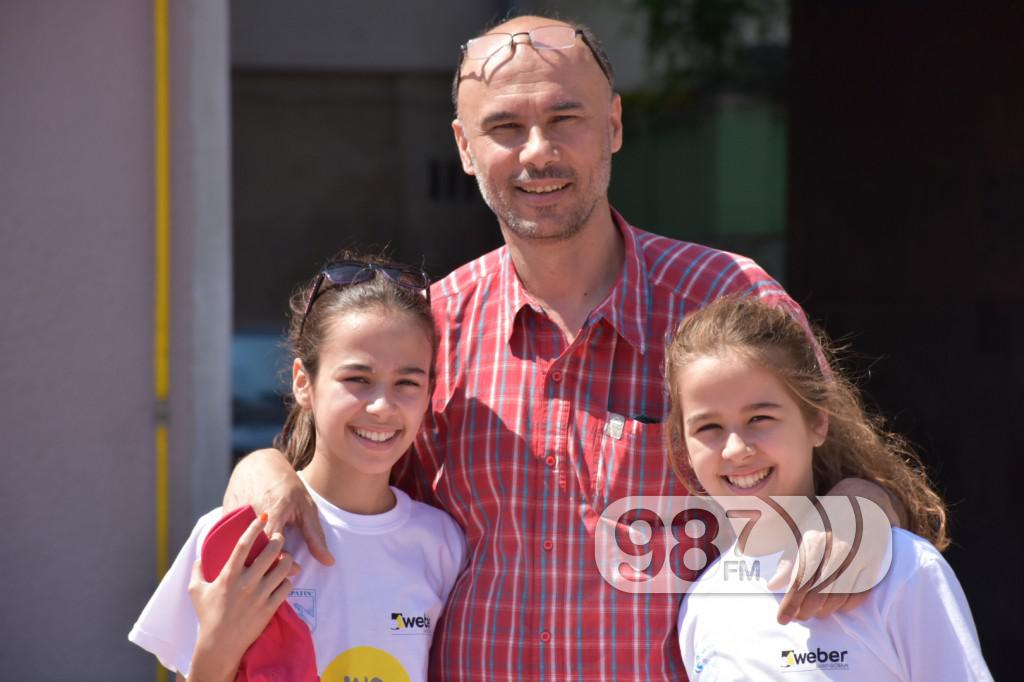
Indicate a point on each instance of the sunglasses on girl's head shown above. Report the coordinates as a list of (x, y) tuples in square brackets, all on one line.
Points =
[(347, 273)]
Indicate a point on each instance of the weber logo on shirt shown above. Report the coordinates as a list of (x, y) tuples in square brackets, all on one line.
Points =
[(819, 659), (402, 624)]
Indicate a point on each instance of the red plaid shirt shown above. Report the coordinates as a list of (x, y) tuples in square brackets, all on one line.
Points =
[(516, 450)]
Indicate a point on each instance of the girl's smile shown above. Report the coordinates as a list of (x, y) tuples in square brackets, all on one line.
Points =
[(744, 432), (374, 436), (749, 484)]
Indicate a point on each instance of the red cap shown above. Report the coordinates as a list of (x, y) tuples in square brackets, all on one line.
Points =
[(284, 650)]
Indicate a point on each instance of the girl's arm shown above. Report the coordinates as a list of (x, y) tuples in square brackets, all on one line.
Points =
[(235, 608)]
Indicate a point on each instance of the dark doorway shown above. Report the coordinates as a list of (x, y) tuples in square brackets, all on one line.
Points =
[(905, 233)]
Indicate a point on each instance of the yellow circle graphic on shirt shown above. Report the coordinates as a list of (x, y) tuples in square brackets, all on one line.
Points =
[(365, 663)]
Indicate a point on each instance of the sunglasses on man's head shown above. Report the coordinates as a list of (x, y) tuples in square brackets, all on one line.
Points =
[(554, 37), (346, 273)]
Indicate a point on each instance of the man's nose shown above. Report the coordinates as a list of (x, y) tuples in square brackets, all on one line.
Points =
[(539, 150)]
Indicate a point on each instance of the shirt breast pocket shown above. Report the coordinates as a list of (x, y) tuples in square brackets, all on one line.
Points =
[(631, 461)]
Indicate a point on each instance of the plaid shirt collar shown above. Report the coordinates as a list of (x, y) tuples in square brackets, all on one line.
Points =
[(625, 307)]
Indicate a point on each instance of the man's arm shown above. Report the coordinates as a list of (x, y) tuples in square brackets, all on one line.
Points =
[(265, 480), (801, 603), (858, 487)]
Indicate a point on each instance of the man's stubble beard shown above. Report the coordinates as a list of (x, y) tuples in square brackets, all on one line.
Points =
[(573, 223)]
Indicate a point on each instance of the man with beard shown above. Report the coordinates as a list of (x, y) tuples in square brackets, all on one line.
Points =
[(548, 397)]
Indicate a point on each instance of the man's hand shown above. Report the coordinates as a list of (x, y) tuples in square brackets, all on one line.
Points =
[(265, 480), (805, 597)]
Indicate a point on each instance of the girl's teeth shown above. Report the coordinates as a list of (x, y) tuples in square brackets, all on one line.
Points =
[(749, 480), (375, 436)]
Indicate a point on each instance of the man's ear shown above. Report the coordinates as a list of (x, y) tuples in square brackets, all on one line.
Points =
[(820, 428), (463, 144), (615, 122), (302, 385)]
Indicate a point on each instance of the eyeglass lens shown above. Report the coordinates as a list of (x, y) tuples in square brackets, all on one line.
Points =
[(356, 273), (348, 274), (543, 38)]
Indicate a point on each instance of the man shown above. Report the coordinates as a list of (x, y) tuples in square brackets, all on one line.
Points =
[(548, 400)]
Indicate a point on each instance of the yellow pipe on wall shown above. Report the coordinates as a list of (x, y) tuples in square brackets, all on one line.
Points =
[(162, 283), (161, 336)]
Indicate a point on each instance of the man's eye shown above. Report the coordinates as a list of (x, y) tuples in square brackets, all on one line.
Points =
[(356, 380)]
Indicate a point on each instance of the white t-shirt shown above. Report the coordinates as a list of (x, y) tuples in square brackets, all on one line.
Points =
[(372, 614), (915, 625)]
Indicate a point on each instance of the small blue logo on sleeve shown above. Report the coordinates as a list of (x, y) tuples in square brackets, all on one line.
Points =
[(304, 603)]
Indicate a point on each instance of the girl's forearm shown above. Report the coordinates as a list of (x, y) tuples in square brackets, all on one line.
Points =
[(213, 663)]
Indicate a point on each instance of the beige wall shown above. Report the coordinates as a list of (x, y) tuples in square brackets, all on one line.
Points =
[(76, 341)]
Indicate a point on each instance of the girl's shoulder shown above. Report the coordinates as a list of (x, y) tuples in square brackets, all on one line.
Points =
[(912, 554), (422, 510), (429, 517), (439, 530), (918, 574), (202, 528)]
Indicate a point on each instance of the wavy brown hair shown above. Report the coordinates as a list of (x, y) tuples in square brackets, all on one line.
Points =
[(297, 439), (858, 445)]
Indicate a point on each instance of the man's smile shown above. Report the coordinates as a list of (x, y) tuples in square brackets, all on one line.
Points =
[(543, 189)]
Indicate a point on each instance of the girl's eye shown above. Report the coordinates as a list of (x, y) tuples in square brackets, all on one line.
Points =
[(760, 418), (703, 428), (356, 380), (409, 382)]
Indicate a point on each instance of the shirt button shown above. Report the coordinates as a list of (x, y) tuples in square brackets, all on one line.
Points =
[(545, 636), (556, 376), (550, 460), (548, 545)]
